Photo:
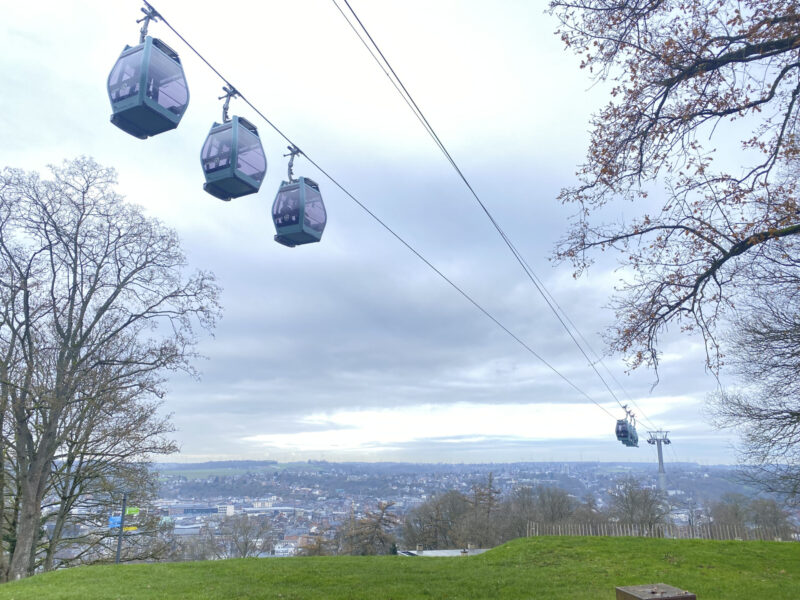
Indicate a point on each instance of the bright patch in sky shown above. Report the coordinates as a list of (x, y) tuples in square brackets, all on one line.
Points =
[(349, 430)]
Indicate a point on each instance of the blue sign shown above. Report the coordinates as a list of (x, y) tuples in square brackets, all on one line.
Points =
[(114, 521)]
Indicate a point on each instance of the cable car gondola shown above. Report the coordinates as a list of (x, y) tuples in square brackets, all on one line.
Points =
[(626, 429), (298, 211), (233, 159), (147, 87)]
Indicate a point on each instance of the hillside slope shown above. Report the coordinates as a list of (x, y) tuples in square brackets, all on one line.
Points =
[(555, 568)]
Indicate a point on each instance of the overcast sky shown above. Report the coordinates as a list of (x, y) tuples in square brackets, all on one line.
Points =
[(352, 349)]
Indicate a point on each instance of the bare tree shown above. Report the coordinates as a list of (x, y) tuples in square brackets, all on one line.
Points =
[(693, 509), (85, 491), (731, 510), (766, 513), (643, 507), (86, 537), (765, 407), (484, 498), (736, 510), (433, 523), (553, 505), (238, 536), (517, 510), (96, 308), (587, 512), (101, 456), (481, 525)]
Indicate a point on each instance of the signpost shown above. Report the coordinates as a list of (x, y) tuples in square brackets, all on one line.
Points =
[(119, 521), (122, 524)]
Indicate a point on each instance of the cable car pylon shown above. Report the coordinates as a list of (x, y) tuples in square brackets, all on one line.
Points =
[(658, 438)]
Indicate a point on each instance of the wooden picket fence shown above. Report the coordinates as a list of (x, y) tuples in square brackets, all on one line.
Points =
[(704, 532)]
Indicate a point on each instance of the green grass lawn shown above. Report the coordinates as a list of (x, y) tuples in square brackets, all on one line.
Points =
[(552, 568)]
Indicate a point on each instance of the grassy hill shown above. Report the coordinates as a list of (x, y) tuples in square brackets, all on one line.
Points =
[(555, 568)]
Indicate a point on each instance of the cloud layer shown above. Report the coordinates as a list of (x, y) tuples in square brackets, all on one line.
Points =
[(353, 348)]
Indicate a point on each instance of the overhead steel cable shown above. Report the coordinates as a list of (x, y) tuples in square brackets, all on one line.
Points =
[(598, 358), (409, 102), (377, 219), (535, 280)]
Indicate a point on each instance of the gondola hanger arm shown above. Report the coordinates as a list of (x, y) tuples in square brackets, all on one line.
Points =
[(293, 151), (230, 92), (150, 14)]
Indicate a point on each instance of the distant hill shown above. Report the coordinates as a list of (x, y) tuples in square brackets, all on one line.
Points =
[(215, 464)]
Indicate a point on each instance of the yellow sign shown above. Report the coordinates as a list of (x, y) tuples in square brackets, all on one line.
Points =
[(130, 528)]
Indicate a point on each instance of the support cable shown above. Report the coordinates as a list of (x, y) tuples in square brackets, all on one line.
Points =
[(535, 280)]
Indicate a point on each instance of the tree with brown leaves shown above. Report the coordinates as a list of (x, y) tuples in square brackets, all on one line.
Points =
[(687, 78), (372, 534)]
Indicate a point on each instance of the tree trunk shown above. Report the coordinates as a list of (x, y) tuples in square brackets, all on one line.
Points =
[(3, 520), (33, 478), (30, 513)]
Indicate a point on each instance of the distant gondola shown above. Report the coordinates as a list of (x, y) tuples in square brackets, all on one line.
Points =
[(298, 211), (147, 89), (233, 159), (626, 429)]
